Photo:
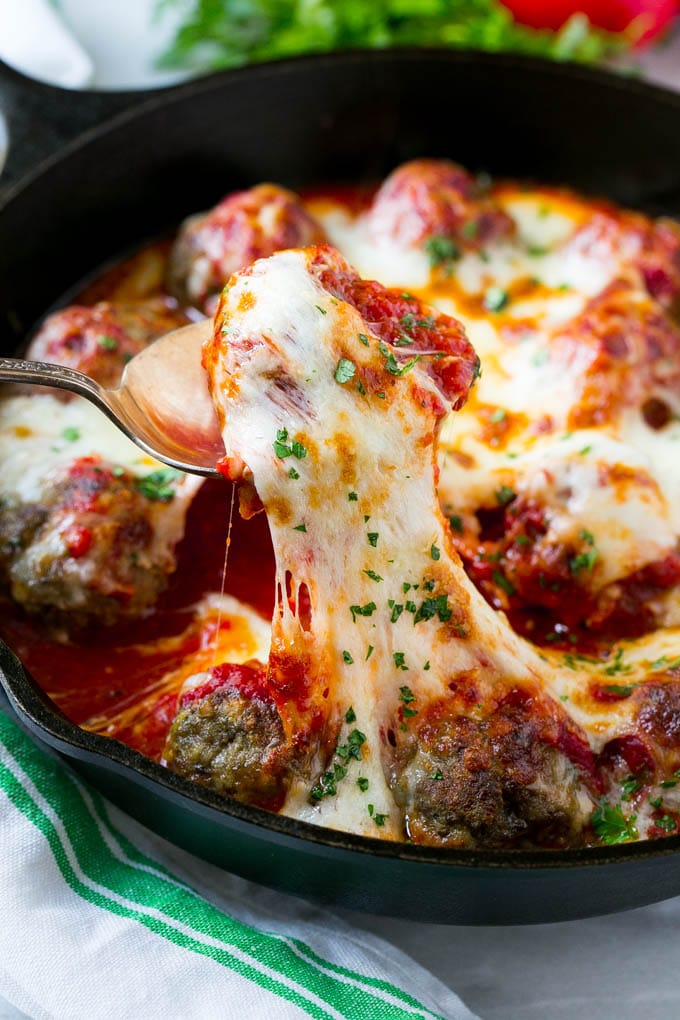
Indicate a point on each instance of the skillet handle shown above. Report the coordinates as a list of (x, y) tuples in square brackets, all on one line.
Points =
[(41, 119)]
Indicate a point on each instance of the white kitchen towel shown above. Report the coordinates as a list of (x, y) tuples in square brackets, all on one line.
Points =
[(96, 925)]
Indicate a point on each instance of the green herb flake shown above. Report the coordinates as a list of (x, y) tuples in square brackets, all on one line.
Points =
[(436, 775), (344, 371), (293, 473), (350, 661), (456, 523), (107, 343), (399, 660), (611, 826), (70, 434), (364, 339), (350, 715), (373, 576), (435, 552), (498, 416), (300, 527), (157, 486), (630, 785), (352, 497), (367, 610), (323, 311), (369, 653), (442, 251), (503, 583), (496, 299), (362, 783), (505, 495), (372, 537)]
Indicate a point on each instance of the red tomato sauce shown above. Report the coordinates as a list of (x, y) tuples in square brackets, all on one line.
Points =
[(104, 668)]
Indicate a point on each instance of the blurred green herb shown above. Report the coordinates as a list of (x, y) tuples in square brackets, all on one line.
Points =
[(215, 34)]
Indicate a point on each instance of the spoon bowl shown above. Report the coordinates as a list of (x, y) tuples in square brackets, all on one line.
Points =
[(162, 404)]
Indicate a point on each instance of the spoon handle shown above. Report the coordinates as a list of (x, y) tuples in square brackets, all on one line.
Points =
[(40, 373)]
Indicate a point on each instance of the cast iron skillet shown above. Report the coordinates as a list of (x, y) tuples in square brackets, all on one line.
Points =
[(342, 117)]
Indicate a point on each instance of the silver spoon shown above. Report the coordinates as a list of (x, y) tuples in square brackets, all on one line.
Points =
[(162, 404)]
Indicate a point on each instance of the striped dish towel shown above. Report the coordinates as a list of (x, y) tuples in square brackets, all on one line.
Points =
[(101, 919)]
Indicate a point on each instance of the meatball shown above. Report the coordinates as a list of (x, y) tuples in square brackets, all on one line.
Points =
[(245, 226), (440, 205), (100, 340), (89, 551), (491, 781), (228, 735)]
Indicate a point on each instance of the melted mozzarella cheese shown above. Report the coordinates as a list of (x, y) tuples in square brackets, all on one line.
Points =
[(356, 524), (41, 432)]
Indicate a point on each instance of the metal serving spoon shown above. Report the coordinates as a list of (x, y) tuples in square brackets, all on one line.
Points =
[(162, 404)]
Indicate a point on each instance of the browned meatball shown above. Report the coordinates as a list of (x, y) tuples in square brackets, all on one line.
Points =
[(100, 340), (494, 780), (90, 551), (439, 205), (228, 735), (245, 226)]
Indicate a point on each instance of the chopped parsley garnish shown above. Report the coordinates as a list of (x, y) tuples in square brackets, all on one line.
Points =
[(612, 826), (71, 434), (456, 523), (364, 339), (350, 714), (656, 802), (391, 363), (327, 785), (469, 229), (504, 495), (344, 371), (620, 690), (352, 497), (323, 311), (362, 783), (436, 606), (666, 823), (436, 775), (156, 486), (496, 299), (442, 251), (293, 473), (373, 576), (107, 343), (498, 416), (618, 665), (283, 449), (350, 661), (427, 665), (369, 653), (584, 450), (379, 819), (300, 527), (352, 749), (399, 661), (406, 695), (434, 552), (397, 610), (584, 560), (373, 538), (366, 610), (503, 583), (631, 784), (536, 250)]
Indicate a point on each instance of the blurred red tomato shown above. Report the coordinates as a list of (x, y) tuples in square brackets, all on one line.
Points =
[(613, 15)]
